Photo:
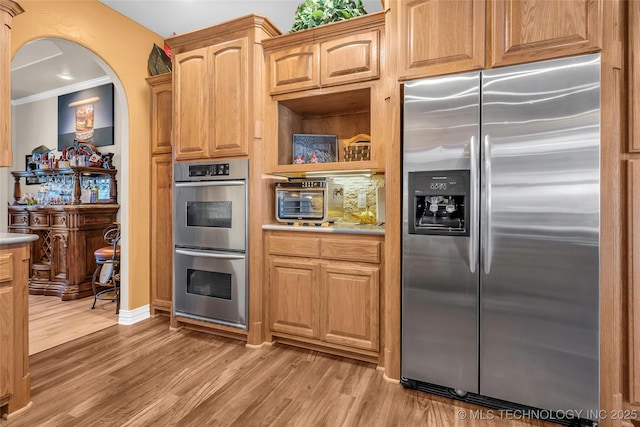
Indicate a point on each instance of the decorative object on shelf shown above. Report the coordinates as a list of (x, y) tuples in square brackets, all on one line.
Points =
[(159, 61), (365, 217), (357, 148), (86, 116), (314, 148), (313, 13)]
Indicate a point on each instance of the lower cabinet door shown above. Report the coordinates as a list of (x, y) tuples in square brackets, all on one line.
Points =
[(349, 305), (294, 297)]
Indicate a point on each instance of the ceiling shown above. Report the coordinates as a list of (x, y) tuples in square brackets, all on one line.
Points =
[(36, 66)]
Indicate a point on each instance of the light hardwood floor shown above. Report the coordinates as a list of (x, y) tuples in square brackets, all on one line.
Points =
[(147, 375), (53, 322)]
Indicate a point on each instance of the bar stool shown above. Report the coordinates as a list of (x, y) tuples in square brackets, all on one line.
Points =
[(107, 273)]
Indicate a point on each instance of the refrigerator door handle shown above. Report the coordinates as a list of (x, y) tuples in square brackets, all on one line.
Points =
[(473, 240), (487, 237)]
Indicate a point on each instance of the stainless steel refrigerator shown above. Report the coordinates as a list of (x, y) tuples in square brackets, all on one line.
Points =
[(500, 248)]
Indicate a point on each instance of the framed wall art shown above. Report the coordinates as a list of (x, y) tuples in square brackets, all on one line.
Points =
[(86, 116), (315, 148)]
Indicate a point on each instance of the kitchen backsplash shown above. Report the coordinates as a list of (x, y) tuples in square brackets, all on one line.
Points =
[(353, 187)]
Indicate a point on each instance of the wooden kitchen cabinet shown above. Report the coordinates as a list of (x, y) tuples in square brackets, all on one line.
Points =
[(161, 113), (534, 30), (440, 37), (8, 9), (326, 80), (633, 202), (349, 305), (324, 291), (294, 297), (447, 36), (324, 57), (161, 234), (15, 379), (217, 87), (161, 218)]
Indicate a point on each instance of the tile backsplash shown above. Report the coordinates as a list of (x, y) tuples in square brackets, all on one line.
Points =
[(353, 187)]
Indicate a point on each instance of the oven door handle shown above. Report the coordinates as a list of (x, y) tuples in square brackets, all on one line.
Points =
[(209, 184), (209, 254)]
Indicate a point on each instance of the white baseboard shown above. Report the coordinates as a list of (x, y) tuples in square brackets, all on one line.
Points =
[(130, 317)]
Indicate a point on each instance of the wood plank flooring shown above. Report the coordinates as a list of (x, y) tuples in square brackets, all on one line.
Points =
[(53, 322), (147, 375)]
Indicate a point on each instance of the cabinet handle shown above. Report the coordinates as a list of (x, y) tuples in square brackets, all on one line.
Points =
[(36, 220)]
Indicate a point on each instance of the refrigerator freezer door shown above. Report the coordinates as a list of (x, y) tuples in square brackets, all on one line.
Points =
[(439, 272), (539, 335)]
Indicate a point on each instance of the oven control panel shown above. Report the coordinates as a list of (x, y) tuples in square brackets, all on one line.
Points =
[(214, 169)]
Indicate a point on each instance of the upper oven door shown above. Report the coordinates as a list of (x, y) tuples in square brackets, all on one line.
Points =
[(211, 214)]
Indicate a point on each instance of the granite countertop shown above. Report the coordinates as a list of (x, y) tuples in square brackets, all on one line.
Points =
[(339, 227), (13, 238)]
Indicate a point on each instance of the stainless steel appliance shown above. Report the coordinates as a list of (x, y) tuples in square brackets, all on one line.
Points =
[(500, 250), (313, 200), (210, 238)]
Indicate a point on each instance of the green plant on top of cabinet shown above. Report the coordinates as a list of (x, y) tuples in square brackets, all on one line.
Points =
[(217, 82)]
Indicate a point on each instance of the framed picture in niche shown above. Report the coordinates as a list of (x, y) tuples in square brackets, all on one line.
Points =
[(314, 148)]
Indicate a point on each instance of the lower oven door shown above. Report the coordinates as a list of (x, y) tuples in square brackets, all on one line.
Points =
[(211, 286)]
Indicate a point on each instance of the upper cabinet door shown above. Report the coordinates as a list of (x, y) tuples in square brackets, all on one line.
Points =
[(440, 37), (161, 114), (230, 101), (191, 100), (294, 68), (532, 30), (350, 59)]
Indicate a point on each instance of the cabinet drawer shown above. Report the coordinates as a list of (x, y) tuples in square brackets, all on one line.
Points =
[(351, 250), (39, 220), (19, 220), (292, 69), (59, 220), (295, 246), (350, 59)]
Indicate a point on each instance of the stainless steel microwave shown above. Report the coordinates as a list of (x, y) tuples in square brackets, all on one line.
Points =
[(309, 200)]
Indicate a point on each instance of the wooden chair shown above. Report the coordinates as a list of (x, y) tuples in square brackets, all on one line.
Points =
[(106, 277)]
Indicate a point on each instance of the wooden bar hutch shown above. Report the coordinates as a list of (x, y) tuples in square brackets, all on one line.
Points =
[(69, 227)]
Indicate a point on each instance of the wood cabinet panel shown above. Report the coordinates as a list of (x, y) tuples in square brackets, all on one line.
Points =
[(349, 302), (300, 246), (532, 30), (634, 75), (161, 113), (440, 37), (351, 250), (294, 68), (230, 98), (294, 291), (8, 9), (161, 232), (191, 104), (14, 317), (350, 59), (633, 200)]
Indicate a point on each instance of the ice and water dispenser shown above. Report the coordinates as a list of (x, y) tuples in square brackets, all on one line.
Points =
[(440, 202)]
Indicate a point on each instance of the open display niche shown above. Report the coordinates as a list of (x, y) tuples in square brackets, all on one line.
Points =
[(345, 113)]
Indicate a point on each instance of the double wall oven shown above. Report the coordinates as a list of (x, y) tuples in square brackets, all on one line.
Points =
[(210, 241)]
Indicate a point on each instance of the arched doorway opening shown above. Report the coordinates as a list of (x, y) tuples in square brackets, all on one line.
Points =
[(34, 115)]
